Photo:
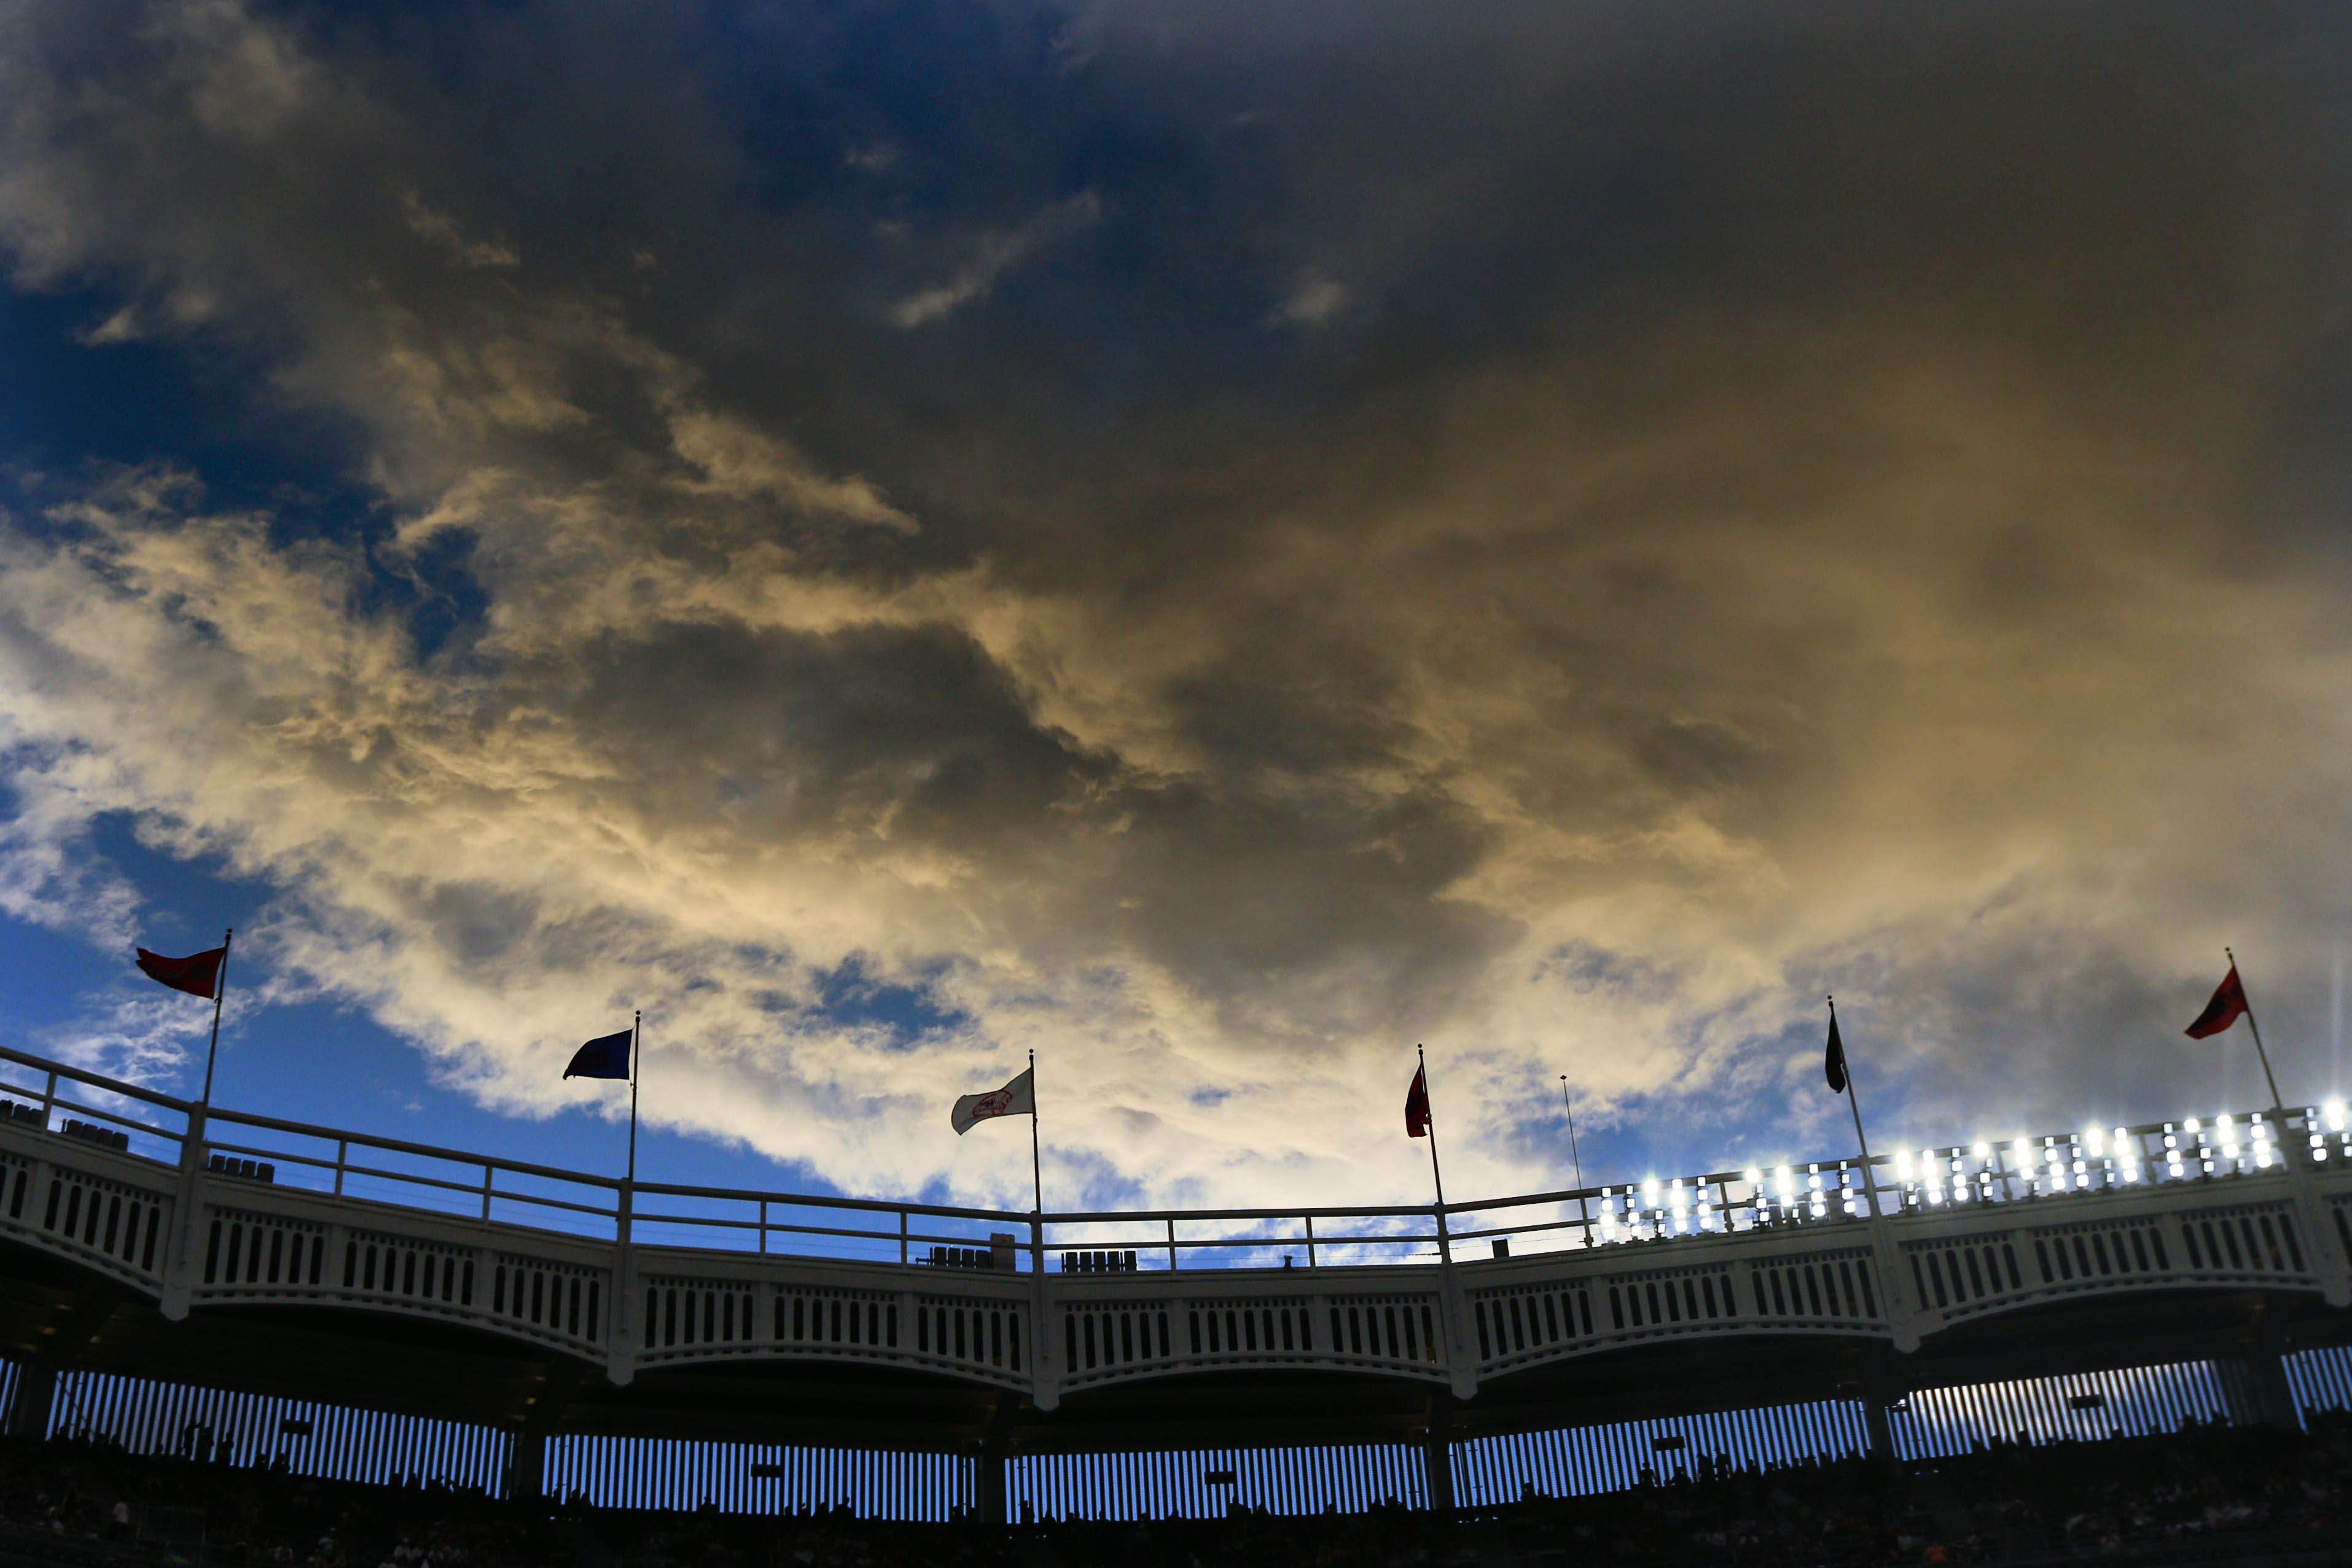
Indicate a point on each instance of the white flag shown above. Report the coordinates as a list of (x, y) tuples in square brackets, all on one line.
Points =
[(1018, 1098)]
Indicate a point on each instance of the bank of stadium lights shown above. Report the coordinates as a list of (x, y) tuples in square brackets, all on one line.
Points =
[(2045, 1166), (2331, 1116)]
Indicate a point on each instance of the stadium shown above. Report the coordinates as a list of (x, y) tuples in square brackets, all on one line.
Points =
[(188, 1288)]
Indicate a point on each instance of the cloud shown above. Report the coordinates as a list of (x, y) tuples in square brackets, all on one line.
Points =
[(1822, 504), (991, 254), (1312, 303)]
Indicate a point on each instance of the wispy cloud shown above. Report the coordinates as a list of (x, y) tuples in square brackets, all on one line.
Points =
[(991, 254)]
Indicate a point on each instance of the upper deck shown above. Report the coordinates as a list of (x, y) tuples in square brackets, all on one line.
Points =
[(627, 1277)]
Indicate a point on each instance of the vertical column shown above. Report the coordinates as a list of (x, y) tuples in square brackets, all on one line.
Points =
[(526, 1466), (28, 1412), (1437, 1455), (995, 1449), (2254, 1389), (1878, 1396)]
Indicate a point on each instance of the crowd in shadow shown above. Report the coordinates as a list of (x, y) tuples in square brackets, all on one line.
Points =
[(90, 1504)]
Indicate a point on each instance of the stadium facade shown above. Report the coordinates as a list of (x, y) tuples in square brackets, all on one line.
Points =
[(375, 1307)]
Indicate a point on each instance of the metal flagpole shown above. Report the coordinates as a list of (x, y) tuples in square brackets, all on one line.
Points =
[(1445, 1248), (220, 994), (625, 1220), (1853, 1103), (2277, 1104), (1583, 1212), (1036, 1169), (193, 1142), (636, 1040)]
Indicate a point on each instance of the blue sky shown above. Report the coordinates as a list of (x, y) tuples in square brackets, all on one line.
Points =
[(1212, 547)]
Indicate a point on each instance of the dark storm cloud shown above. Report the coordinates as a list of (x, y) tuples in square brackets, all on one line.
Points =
[(1219, 544)]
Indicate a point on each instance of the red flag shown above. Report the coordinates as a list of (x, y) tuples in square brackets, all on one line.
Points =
[(2229, 1004), (1416, 1105), (198, 974)]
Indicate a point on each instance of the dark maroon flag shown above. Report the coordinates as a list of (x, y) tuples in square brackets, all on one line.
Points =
[(198, 974), (2228, 1005), (1416, 1105)]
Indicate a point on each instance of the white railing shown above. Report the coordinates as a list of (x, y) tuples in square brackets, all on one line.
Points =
[(345, 1164), (174, 1201)]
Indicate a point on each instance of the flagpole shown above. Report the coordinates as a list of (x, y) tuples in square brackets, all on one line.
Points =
[(1445, 1248), (220, 994), (636, 1039), (1854, 1104), (1036, 1167), (1583, 1212), (2277, 1102)]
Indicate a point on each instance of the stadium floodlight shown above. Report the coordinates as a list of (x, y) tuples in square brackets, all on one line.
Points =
[(1649, 1193), (1981, 1150), (2191, 1126), (1902, 1165), (2093, 1141), (2334, 1112), (1785, 1181)]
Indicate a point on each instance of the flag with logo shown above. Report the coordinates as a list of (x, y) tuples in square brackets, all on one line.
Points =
[(1018, 1098)]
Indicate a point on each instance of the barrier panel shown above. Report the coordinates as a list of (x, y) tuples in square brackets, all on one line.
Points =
[(1201, 1483), (757, 1478), (333, 1442), (2136, 1401), (1578, 1461)]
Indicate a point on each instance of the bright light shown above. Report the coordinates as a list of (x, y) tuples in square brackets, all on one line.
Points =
[(1755, 1178), (2334, 1112), (2023, 1152), (2093, 1144), (2191, 1125), (1983, 1150), (1785, 1181), (1649, 1193)]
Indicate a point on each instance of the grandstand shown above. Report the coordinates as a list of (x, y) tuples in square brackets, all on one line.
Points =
[(232, 1288)]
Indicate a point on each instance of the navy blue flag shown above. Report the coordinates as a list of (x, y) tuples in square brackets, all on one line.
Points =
[(1833, 1060), (605, 1058)]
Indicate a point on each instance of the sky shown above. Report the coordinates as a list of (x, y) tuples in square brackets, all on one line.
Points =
[(1213, 543)]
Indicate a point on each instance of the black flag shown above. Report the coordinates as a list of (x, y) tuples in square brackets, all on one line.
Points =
[(1833, 1060)]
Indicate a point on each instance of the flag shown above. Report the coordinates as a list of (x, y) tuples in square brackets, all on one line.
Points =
[(198, 974), (1416, 1105), (607, 1056), (2229, 1004), (1018, 1098), (1833, 1060)]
